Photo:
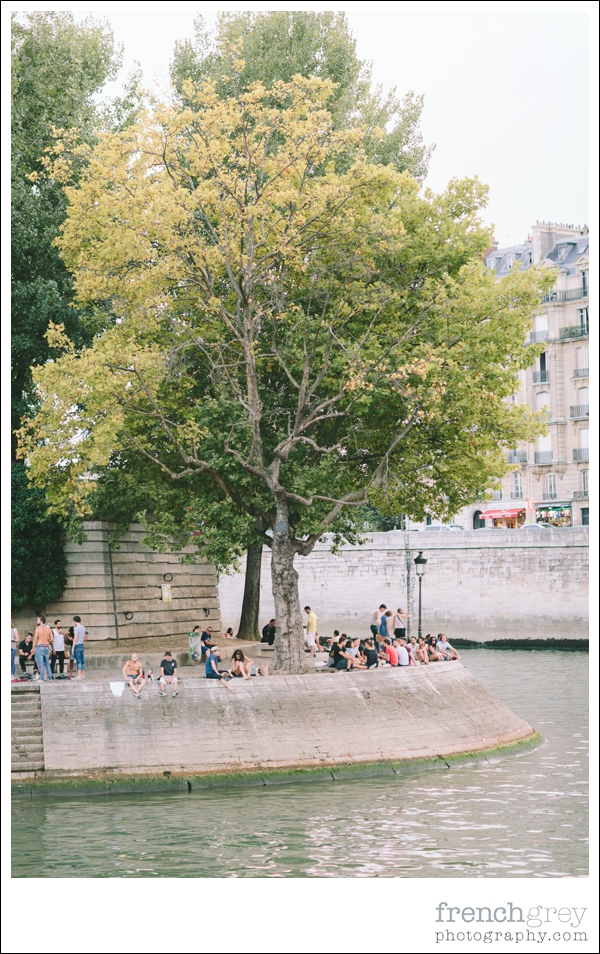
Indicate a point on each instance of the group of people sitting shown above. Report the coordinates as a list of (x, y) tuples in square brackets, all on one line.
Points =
[(347, 653), (136, 677)]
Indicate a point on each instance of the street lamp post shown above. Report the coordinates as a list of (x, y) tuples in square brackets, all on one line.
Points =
[(420, 562)]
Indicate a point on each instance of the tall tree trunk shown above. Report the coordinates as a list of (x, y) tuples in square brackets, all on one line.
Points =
[(251, 604), (289, 653)]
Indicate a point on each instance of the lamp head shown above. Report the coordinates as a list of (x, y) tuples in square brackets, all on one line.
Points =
[(420, 562)]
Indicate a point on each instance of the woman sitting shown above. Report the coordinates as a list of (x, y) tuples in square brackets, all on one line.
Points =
[(422, 654), (241, 665), (434, 656)]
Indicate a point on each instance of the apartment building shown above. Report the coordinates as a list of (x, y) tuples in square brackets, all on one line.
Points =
[(552, 474)]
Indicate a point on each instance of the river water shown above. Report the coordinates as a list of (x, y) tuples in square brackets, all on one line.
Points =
[(522, 816)]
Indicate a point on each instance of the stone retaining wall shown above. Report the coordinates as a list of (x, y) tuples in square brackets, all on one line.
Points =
[(483, 584), (138, 574), (275, 722)]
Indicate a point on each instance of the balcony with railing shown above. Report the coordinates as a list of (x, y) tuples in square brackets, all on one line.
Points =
[(569, 294), (550, 496), (581, 494), (541, 377), (542, 457), (537, 336), (581, 453), (516, 457), (581, 373), (579, 411), (574, 331)]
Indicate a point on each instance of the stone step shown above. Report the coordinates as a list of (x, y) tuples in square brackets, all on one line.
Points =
[(26, 748), (27, 767), (21, 736), (29, 702), (21, 715)]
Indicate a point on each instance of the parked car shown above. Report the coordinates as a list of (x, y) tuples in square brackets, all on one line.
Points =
[(536, 526), (444, 526)]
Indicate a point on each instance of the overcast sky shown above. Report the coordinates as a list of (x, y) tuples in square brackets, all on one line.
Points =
[(506, 87)]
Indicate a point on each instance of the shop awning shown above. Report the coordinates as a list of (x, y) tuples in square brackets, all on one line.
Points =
[(496, 514)]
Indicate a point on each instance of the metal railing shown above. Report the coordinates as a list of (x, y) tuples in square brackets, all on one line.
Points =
[(535, 336), (543, 457), (570, 294), (581, 494), (574, 331), (580, 410), (581, 453), (581, 373), (516, 457), (549, 496), (516, 495), (541, 377)]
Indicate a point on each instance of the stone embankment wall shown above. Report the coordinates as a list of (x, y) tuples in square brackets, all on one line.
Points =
[(136, 605), (482, 584), (275, 722)]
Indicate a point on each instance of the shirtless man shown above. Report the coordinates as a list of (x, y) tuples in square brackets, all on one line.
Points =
[(42, 644), (133, 673)]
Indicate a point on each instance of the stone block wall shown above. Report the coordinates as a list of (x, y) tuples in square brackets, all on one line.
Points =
[(480, 584), (275, 722), (137, 573)]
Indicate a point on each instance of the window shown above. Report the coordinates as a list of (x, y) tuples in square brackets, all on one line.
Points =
[(550, 486), (583, 396), (584, 282), (582, 314), (584, 481), (584, 437), (529, 258), (563, 252), (509, 261), (427, 521), (544, 443), (541, 322), (517, 484), (542, 403), (585, 516), (582, 359), (514, 398)]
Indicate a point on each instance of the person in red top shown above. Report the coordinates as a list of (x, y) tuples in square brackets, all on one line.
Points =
[(389, 652)]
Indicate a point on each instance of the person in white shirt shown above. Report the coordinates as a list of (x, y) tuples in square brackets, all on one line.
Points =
[(79, 638), (58, 649)]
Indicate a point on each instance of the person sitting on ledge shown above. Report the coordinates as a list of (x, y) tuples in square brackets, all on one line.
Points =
[(343, 660), (268, 633), (422, 654), (213, 672), (389, 652), (206, 643), (26, 653), (229, 633), (444, 648), (370, 654), (168, 673), (241, 665), (434, 656), (402, 651), (133, 674)]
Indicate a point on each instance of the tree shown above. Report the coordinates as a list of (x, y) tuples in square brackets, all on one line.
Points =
[(303, 334), (57, 67), (38, 562), (279, 45)]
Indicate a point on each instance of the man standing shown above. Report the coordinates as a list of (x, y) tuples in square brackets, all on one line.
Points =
[(42, 643), (311, 630), (168, 673), (14, 642), (79, 638), (133, 673), (268, 633), (58, 649), (376, 621)]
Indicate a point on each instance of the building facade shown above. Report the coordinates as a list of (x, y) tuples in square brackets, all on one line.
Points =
[(552, 474)]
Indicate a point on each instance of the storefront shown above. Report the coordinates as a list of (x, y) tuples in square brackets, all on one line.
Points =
[(557, 515), (507, 519)]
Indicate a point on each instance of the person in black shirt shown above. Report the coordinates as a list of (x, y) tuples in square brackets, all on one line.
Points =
[(26, 653), (168, 673), (268, 633), (206, 642), (370, 654)]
